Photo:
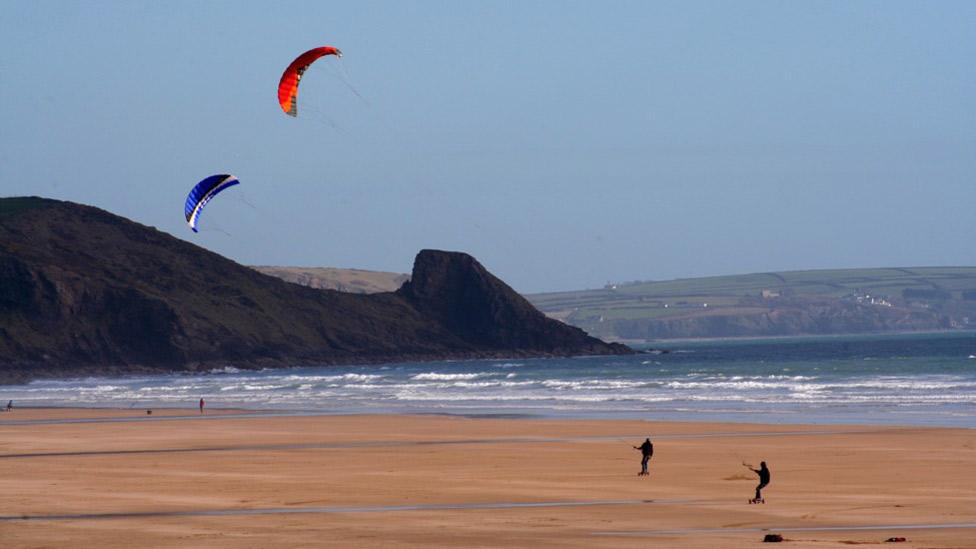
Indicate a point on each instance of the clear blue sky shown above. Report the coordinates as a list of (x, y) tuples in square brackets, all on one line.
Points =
[(563, 144)]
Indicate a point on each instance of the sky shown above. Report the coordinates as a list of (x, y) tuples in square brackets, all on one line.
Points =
[(563, 144)]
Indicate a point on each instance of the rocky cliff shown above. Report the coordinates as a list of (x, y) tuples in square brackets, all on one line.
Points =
[(458, 293), (85, 292)]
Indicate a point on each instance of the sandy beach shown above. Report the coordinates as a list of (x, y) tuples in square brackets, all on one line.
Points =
[(119, 478)]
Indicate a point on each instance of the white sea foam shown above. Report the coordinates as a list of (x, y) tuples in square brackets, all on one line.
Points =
[(434, 376), (845, 387), (590, 384), (350, 377), (481, 397), (361, 377)]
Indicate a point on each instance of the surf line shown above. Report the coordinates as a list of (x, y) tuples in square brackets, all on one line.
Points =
[(341, 509), (233, 415), (408, 443), (151, 419), (854, 528)]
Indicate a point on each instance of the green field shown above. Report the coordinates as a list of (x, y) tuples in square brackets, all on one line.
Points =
[(600, 311)]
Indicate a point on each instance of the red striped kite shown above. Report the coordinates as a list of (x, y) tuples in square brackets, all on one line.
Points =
[(288, 87)]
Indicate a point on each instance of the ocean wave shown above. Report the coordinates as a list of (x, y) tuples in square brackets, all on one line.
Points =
[(509, 365), (529, 397), (333, 378), (592, 384), (899, 383), (434, 376), (731, 385), (774, 377), (102, 388), (819, 386)]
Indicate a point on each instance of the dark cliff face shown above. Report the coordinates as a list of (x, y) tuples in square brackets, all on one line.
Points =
[(460, 294), (86, 292)]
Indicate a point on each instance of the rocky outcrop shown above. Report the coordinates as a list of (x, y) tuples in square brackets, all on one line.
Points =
[(86, 292), (461, 295)]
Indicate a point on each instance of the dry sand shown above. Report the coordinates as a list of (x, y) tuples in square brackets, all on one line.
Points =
[(232, 480)]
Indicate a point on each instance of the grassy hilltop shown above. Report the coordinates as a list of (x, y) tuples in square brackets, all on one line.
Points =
[(355, 281), (783, 303)]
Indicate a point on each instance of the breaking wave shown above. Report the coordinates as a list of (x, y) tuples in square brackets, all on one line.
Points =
[(708, 382)]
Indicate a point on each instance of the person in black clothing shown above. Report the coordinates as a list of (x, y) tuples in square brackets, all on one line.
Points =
[(763, 473), (646, 450)]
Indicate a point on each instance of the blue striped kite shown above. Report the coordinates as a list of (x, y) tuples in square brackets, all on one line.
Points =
[(202, 193)]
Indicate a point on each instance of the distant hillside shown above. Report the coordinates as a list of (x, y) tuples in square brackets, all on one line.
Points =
[(85, 292), (770, 304), (355, 281)]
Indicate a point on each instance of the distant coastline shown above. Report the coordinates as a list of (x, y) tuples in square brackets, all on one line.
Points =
[(760, 305), (858, 335)]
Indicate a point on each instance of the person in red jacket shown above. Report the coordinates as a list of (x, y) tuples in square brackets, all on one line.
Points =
[(202, 403)]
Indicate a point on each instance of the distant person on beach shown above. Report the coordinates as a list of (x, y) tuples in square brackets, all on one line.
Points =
[(10, 405), (646, 450), (202, 404), (763, 473)]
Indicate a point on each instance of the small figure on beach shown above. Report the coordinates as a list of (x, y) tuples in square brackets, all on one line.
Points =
[(10, 405), (763, 473), (202, 404), (646, 450)]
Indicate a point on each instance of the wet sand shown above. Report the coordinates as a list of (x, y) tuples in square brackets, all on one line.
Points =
[(119, 478)]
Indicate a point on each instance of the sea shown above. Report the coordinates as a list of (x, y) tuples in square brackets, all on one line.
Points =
[(916, 379)]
